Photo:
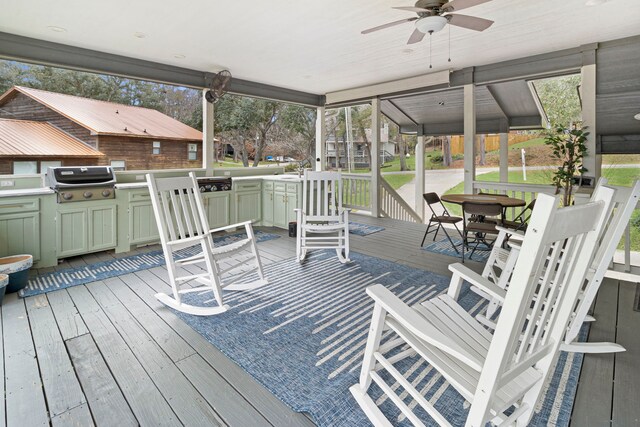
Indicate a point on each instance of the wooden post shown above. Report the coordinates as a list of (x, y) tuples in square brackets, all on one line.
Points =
[(504, 157), (592, 161), (208, 145), (375, 157), (420, 174), (321, 140), (469, 137)]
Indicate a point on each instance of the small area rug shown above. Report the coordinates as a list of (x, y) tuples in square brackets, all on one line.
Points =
[(443, 247), (360, 229), (52, 281), (302, 336)]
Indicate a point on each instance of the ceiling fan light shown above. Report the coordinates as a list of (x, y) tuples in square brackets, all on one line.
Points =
[(431, 24)]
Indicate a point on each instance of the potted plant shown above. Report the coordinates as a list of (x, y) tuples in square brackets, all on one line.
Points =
[(569, 146)]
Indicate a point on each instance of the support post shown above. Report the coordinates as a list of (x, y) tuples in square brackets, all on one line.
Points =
[(592, 161), (375, 157), (504, 157), (321, 140), (469, 137), (420, 174), (208, 145)]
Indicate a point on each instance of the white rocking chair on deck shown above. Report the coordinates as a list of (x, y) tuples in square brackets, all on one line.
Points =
[(182, 223), (624, 203), (501, 375), (322, 215)]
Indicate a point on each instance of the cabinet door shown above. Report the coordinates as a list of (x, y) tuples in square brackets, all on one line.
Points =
[(267, 208), (292, 203), (20, 234), (102, 227), (142, 223), (248, 206), (280, 209), (217, 206), (71, 231)]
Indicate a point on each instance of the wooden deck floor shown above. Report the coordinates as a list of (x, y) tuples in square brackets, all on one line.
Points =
[(109, 353)]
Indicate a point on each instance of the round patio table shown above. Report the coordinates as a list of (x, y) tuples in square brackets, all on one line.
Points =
[(506, 202)]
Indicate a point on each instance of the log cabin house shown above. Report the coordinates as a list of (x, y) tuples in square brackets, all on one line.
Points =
[(122, 136)]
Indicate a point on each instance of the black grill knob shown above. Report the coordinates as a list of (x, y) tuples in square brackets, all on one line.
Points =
[(214, 188), (202, 189), (106, 193), (87, 194), (67, 196)]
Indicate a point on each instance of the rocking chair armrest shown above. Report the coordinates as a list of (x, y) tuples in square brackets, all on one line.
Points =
[(229, 227), (419, 326), (513, 233), (191, 239), (478, 281)]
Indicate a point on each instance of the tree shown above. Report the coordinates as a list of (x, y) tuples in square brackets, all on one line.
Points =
[(297, 125), (559, 97), (569, 146), (447, 158)]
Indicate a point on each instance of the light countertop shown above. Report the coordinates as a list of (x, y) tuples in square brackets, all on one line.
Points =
[(26, 192), (285, 178)]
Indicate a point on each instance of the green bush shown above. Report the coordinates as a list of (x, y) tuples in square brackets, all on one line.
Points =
[(457, 157), (436, 158), (291, 167)]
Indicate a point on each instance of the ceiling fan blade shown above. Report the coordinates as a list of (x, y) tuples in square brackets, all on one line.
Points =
[(412, 9), (416, 37), (455, 5), (470, 22), (390, 24)]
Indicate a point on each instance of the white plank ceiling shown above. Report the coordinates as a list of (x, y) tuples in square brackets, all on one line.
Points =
[(314, 46)]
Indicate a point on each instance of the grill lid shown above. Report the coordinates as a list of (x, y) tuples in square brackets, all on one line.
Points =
[(80, 175)]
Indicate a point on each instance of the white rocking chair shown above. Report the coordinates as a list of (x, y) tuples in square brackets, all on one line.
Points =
[(500, 375), (624, 203), (322, 215), (182, 223)]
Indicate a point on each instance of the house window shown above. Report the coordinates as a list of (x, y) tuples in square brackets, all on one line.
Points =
[(118, 165), (193, 152), (156, 147), (44, 165), (25, 167)]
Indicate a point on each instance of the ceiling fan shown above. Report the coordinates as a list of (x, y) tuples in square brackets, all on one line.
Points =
[(433, 15)]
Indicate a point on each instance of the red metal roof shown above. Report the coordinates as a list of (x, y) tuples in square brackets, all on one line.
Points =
[(109, 118), (27, 138)]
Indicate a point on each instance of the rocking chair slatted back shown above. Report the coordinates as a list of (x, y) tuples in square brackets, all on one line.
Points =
[(322, 195), (559, 244)]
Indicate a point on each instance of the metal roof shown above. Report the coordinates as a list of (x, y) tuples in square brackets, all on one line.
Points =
[(514, 104), (19, 138), (109, 118)]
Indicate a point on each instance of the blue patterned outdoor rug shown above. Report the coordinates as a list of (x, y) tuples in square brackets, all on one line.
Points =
[(443, 247), (360, 229), (303, 336), (68, 277)]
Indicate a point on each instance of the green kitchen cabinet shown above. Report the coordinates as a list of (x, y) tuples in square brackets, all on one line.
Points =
[(280, 200), (248, 201), (267, 203), (102, 227), (142, 223), (71, 232), (81, 229), (218, 208), (20, 226)]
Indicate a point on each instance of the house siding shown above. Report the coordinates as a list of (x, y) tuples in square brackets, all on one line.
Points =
[(6, 164), (137, 153)]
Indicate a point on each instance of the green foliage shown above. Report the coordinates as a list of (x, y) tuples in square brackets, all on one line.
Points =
[(559, 97), (436, 158), (568, 146)]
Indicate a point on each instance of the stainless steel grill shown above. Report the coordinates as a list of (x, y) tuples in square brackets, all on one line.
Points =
[(82, 183)]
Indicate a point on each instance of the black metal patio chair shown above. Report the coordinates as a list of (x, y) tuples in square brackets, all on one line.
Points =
[(481, 220), (446, 218)]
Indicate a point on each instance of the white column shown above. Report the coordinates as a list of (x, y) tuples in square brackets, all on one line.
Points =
[(375, 157), (420, 176), (592, 161), (321, 140), (504, 157), (207, 135), (469, 137)]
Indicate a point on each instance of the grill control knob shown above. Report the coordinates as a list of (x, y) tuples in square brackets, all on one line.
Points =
[(214, 188), (106, 193), (202, 189), (87, 194), (67, 196)]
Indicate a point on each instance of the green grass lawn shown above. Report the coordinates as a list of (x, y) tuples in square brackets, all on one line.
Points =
[(526, 144), (397, 181)]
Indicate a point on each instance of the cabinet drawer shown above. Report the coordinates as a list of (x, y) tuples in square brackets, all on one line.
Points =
[(292, 188), (247, 186), (138, 196), (267, 185), (280, 186), (15, 205)]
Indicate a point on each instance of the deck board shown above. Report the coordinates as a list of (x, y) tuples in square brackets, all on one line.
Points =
[(126, 348), (105, 400)]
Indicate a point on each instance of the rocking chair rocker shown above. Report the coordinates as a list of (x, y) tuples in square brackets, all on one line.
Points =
[(323, 216), (182, 223), (501, 375)]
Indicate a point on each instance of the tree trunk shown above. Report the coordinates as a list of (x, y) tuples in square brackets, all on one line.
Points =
[(259, 149), (401, 150), (483, 153), (245, 156), (446, 151)]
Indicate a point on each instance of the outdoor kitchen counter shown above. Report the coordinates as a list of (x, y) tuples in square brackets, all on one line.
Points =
[(26, 192), (286, 178)]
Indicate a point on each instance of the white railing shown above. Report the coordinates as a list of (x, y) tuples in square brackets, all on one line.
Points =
[(530, 191), (394, 206), (356, 191)]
